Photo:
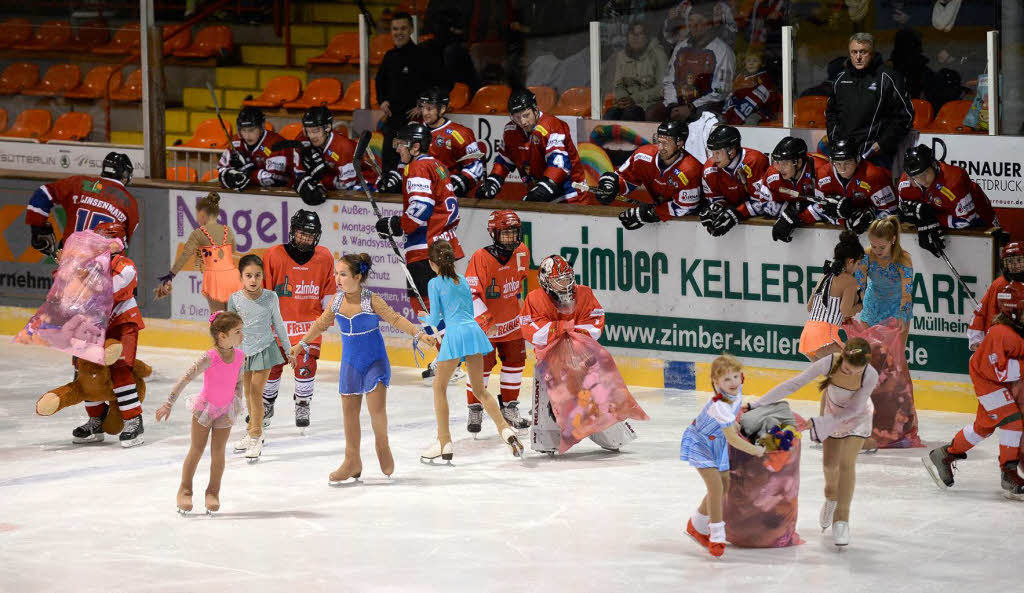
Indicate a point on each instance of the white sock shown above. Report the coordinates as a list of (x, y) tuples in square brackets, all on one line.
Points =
[(717, 532), (270, 391), (700, 522)]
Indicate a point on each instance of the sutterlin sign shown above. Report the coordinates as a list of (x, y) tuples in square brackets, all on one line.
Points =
[(65, 158)]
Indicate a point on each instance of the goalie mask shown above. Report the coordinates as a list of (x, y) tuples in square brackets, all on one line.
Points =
[(307, 222), (499, 223), (558, 280)]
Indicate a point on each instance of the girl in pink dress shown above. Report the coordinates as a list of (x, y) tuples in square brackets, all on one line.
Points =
[(214, 408)]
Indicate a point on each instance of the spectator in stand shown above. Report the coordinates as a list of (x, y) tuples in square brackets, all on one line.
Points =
[(406, 71), (448, 23), (700, 69), (868, 104), (755, 97), (699, 125), (638, 68), (942, 87), (908, 59)]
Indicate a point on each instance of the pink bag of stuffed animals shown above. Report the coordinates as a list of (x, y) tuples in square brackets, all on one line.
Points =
[(895, 421), (760, 507), (74, 317), (586, 390)]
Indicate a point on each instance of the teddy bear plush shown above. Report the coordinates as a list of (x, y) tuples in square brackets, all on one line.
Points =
[(93, 384)]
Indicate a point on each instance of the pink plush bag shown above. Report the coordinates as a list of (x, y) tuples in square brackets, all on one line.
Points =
[(760, 508), (895, 421), (74, 317), (587, 391)]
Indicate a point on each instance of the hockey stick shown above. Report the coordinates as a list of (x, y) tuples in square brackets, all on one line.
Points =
[(581, 186), (956, 274), (223, 126)]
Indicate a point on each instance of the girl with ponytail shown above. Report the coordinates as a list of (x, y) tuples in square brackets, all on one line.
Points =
[(835, 299), (886, 275)]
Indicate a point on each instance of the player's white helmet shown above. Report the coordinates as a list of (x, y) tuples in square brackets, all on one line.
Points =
[(558, 280)]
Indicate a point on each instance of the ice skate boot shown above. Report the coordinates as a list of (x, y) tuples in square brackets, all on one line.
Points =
[(131, 434), (457, 376), (302, 415), (475, 419), (252, 454), (825, 516), (841, 533), (1012, 482), (212, 503), (511, 413), (345, 474), (90, 432), (435, 450), (184, 501), (430, 371), (509, 436), (268, 413), (940, 464), (243, 444)]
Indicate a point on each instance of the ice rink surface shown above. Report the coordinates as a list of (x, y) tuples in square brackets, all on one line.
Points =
[(100, 518)]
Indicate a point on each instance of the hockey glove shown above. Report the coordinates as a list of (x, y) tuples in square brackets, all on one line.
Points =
[(238, 161), (460, 185), (391, 183), (929, 237), (723, 223), (607, 188), (311, 192), (313, 162), (542, 191), (837, 207), (708, 213), (43, 239), (859, 220), (489, 188), (233, 179), (390, 226), (919, 214), (783, 228), (636, 217)]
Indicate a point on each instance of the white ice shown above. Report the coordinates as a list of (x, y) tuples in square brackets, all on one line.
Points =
[(102, 518)]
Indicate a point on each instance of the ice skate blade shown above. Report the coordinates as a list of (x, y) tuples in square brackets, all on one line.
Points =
[(347, 482), (139, 440), (868, 451), (930, 468), (1011, 496), (96, 438), (252, 460), (434, 461)]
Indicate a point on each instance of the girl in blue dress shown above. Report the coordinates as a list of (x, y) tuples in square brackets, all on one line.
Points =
[(886, 275), (705, 445), (451, 302), (364, 360)]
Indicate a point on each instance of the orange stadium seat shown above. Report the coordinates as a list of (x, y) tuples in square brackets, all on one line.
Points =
[(182, 174), (31, 123), (379, 45), (209, 134), (94, 33), (209, 176), (18, 76), (51, 35), (14, 31), (3, 120), (950, 119), (291, 131), (923, 113), (809, 112), (131, 90), (343, 48), (322, 91), (178, 42), (459, 97), (59, 79), (609, 101), (75, 126), (490, 99), (95, 83), (547, 98), (125, 40), (574, 101), (209, 42), (280, 90)]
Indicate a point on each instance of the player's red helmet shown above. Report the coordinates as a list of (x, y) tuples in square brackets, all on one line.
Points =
[(502, 220), (1011, 259), (111, 230), (558, 280), (1011, 301)]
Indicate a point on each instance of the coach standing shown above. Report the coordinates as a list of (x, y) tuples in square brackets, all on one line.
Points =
[(868, 104), (405, 72)]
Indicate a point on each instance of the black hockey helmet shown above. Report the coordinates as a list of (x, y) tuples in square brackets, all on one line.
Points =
[(250, 117), (318, 116), (843, 149), (521, 100), (434, 96), (674, 129), (918, 159), (117, 165), (306, 221), (724, 136), (416, 132), (790, 149)]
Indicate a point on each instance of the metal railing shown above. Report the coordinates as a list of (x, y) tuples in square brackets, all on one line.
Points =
[(203, 160)]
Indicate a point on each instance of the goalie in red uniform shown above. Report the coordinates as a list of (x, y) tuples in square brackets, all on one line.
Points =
[(495, 276)]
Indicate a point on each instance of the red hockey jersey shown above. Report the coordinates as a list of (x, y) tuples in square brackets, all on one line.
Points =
[(126, 281), (341, 173), (998, 357), (541, 320), (548, 152), (674, 187), (496, 288), (304, 291), (430, 210), (958, 200), (870, 186), (739, 186), (87, 200), (272, 167), (985, 312), (774, 189), (450, 142)]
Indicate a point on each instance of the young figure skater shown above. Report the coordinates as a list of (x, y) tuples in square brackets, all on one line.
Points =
[(841, 429), (835, 299), (705, 445), (262, 317), (364, 360), (214, 409), (220, 278), (452, 302)]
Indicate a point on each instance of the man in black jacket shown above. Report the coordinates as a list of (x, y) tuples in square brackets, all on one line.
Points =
[(868, 104), (405, 72)]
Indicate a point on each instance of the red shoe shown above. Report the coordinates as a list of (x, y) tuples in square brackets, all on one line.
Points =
[(701, 538), (716, 548)]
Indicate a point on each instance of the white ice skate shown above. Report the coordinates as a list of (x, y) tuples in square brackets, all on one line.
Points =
[(509, 436), (825, 516), (435, 450), (252, 454), (243, 444), (841, 533)]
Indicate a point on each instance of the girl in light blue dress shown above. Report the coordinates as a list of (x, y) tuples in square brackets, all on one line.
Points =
[(886, 275), (451, 302)]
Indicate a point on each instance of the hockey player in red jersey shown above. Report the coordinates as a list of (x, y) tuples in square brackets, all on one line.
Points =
[(994, 369), (1011, 260), (256, 155), (855, 192), (558, 306), (936, 197), (88, 202), (495, 276), (325, 159), (669, 174), (125, 324), (789, 188), (540, 147), (451, 143), (301, 272), (731, 180)]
